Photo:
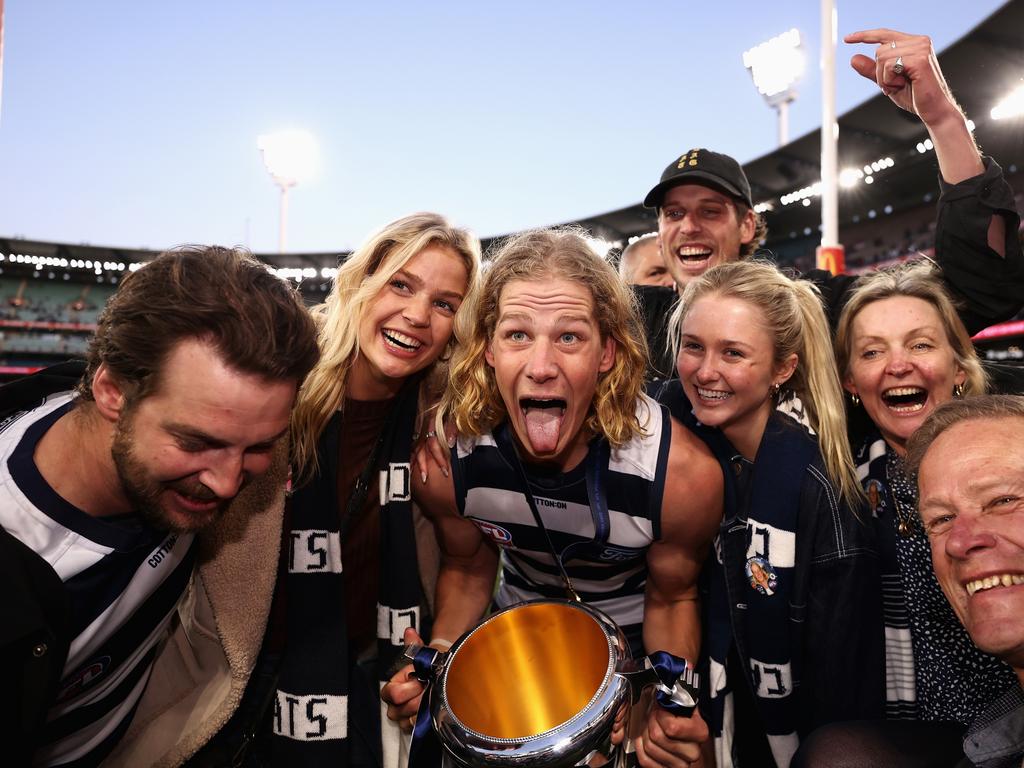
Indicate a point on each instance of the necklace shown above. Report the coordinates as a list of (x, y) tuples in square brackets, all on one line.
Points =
[(904, 525), (902, 486)]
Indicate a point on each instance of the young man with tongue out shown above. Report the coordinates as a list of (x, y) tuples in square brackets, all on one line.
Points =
[(970, 462), (706, 209), (546, 395)]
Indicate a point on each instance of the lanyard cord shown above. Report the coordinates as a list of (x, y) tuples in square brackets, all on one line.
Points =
[(598, 505)]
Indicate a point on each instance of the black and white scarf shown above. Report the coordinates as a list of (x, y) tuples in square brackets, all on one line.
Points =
[(756, 553), (871, 461), (310, 719), (933, 670)]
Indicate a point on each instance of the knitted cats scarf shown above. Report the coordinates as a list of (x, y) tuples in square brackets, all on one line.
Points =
[(310, 719), (755, 567)]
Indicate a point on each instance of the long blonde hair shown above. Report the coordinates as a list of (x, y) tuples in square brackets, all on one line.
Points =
[(473, 399), (794, 317), (919, 280), (358, 281)]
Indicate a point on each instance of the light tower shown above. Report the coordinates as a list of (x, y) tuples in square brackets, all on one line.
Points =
[(775, 66), (290, 157)]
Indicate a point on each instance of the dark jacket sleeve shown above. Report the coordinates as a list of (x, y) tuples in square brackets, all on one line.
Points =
[(656, 303), (29, 391), (834, 290), (34, 635), (989, 287), (34, 627), (843, 646)]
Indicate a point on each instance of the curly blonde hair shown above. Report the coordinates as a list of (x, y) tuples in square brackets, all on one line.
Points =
[(473, 400), (358, 281)]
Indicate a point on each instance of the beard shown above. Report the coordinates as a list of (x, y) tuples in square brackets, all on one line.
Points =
[(146, 492)]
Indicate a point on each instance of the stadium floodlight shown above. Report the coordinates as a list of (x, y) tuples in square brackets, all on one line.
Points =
[(1011, 106), (290, 157), (849, 177), (775, 66)]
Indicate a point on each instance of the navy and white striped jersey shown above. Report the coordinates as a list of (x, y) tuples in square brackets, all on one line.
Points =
[(124, 581), (609, 572)]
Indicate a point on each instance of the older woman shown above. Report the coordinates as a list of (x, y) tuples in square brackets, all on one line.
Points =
[(902, 351)]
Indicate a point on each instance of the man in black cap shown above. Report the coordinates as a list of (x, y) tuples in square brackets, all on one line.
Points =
[(706, 212)]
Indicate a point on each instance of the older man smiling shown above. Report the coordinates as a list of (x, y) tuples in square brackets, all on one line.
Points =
[(971, 479)]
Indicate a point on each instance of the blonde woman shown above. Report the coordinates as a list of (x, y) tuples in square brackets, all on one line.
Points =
[(784, 657), (351, 581)]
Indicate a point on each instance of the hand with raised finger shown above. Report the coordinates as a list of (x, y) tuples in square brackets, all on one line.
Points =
[(402, 693), (906, 69), (669, 740)]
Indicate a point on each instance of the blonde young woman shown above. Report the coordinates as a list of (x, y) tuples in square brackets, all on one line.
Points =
[(351, 582), (784, 657)]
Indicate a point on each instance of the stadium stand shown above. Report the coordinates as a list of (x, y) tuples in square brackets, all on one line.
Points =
[(889, 220)]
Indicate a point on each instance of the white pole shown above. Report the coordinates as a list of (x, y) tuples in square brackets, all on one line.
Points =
[(829, 127), (282, 237), (783, 109)]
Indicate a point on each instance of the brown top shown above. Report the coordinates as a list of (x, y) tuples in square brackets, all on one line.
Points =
[(361, 425)]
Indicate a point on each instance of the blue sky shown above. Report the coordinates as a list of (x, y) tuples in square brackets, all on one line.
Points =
[(134, 123)]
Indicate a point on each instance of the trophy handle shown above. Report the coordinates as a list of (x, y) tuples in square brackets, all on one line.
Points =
[(427, 662), (658, 668)]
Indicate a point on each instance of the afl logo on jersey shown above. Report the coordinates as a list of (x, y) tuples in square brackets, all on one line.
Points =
[(619, 554), (494, 532), (83, 678)]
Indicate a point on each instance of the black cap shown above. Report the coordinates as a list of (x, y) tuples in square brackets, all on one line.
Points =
[(702, 166)]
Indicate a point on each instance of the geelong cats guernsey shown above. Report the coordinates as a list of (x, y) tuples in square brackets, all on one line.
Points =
[(606, 560), (124, 581)]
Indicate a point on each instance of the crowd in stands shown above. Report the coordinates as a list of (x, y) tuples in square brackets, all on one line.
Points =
[(48, 301), (42, 320)]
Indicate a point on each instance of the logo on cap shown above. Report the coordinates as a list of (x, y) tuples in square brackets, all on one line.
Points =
[(688, 159)]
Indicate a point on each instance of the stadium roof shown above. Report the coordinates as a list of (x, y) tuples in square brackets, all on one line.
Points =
[(982, 67)]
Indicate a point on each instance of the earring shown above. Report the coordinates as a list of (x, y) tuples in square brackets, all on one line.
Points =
[(854, 399), (958, 390), (775, 389)]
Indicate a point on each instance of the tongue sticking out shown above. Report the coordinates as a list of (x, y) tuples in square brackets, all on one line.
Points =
[(543, 424)]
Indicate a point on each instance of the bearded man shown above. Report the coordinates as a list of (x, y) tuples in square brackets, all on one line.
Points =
[(141, 513)]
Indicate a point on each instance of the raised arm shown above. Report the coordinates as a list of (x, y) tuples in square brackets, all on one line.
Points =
[(690, 515), (922, 90), (976, 232)]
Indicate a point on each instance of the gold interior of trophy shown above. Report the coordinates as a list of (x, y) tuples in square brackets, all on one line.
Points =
[(527, 671)]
